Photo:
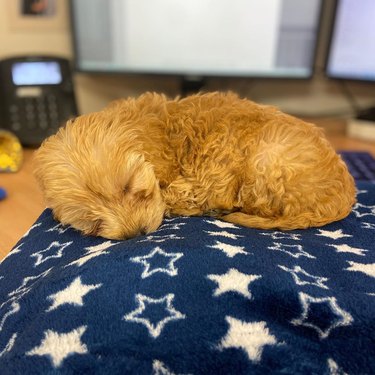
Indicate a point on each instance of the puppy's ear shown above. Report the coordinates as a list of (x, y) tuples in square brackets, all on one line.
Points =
[(140, 178)]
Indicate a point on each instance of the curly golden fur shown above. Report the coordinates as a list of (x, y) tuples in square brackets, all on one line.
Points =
[(116, 173)]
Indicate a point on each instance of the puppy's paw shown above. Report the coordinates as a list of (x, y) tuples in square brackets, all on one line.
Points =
[(180, 199)]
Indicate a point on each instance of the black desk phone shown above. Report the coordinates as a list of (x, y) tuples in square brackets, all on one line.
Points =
[(36, 96)]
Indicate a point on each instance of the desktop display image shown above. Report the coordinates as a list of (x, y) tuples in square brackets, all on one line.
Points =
[(235, 38), (352, 49)]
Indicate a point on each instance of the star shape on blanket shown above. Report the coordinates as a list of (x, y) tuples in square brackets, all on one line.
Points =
[(222, 224), (310, 315), (295, 251), (154, 326), (361, 192), (158, 261), (31, 228), (73, 294), (13, 309), (334, 368), (44, 255), (160, 238), (58, 346), (170, 226), (365, 225), (233, 281), (344, 248), (59, 228), (14, 251), (16, 295), (26, 286), (301, 277), (335, 234), (229, 250), (159, 368), (276, 235), (224, 233), (361, 210), (250, 337), (368, 269), (93, 252), (9, 346)]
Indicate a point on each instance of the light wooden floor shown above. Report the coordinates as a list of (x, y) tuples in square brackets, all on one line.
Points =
[(24, 203)]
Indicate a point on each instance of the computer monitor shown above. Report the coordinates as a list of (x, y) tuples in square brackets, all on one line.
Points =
[(351, 53), (205, 38)]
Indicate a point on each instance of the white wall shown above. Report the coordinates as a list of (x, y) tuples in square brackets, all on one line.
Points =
[(315, 97)]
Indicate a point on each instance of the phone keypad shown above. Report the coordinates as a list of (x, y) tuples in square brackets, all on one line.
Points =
[(42, 114)]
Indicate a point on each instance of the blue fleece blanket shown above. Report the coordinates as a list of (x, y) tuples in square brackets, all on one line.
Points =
[(199, 296)]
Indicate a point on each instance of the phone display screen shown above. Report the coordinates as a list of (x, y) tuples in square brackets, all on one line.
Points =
[(36, 73)]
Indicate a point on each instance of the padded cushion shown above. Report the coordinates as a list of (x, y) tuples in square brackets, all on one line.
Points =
[(198, 296)]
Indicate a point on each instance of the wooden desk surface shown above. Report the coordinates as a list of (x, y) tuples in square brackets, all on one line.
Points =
[(24, 203)]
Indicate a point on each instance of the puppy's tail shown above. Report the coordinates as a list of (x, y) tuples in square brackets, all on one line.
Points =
[(301, 221)]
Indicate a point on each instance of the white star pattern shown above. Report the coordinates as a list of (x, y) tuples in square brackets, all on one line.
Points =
[(146, 260), (250, 337), (224, 233), (33, 227), (160, 238), (282, 235), (361, 210), (25, 287), (13, 309), (73, 294), (361, 192), (334, 368), (344, 248), (40, 258), (197, 295), (14, 251), (335, 235), (58, 346), (343, 317), (93, 252), (9, 345), (159, 368), (295, 251), (297, 271), (367, 225), (368, 269), (229, 250), (170, 226), (233, 281), (143, 301), (222, 224), (59, 228)]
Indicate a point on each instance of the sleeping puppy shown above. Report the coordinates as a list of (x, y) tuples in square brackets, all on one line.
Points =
[(116, 173)]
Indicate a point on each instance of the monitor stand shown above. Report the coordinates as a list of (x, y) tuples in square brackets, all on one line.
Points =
[(367, 114), (191, 85), (363, 125)]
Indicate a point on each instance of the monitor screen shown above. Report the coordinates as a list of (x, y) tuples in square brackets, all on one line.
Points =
[(267, 38), (352, 49)]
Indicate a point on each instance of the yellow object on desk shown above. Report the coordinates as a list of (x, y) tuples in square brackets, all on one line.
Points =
[(11, 154)]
